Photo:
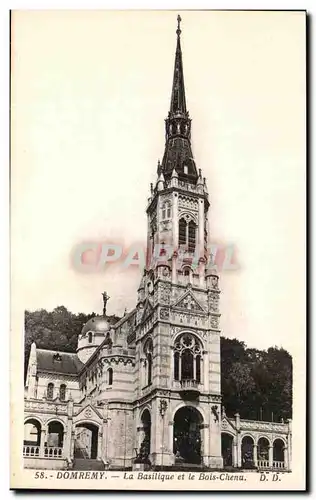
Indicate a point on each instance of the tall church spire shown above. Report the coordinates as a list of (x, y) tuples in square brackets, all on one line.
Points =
[(178, 154), (178, 103)]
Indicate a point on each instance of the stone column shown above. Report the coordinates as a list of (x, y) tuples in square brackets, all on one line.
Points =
[(239, 456), (235, 452), (42, 441), (72, 446), (108, 447), (286, 458), (67, 440), (238, 440), (105, 440), (154, 432), (289, 443), (205, 445), (255, 455), (67, 444), (170, 439), (100, 447), (271, 456)]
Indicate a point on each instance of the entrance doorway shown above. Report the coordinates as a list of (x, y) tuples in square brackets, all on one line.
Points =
[(227, 449), (86, 441), (187, 435), (145, 444)]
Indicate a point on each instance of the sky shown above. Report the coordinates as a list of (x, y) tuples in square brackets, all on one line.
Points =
[(89, 94)]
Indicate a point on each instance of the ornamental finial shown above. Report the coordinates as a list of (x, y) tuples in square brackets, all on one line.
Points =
[(179, 21)]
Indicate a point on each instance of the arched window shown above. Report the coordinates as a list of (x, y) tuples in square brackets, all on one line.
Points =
[(90, 337), (247, 446), (166, 210), (50, 391), (110, 376), (55, 436), (187, 272), (278, 452), (148, 351), (32, 432), (187, 234), (187, 358), (62, 392)]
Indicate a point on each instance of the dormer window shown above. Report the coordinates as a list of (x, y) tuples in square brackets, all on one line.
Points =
[(57, 357)]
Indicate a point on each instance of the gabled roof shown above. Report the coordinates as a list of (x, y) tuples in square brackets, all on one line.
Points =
[(66, 363)]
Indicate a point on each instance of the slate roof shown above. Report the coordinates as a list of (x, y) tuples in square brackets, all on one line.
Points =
[(58, 362)]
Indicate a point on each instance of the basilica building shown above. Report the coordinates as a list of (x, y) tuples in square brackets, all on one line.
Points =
[(146, 391)]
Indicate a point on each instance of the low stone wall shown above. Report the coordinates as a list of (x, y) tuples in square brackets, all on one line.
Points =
[(44, 463)]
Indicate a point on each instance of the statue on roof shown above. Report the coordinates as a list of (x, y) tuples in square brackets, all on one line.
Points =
[(105, 297)]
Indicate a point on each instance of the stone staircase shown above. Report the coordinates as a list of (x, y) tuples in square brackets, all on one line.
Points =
[(87, 464)]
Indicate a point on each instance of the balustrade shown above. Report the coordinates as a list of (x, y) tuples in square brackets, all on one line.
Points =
[(263, 464), (278, 465), (189, 384), (53, 452), (31, 451), (47, 452)]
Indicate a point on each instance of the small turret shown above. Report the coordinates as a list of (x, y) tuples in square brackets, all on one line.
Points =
[(93, 333), (205, 186), (31, 372), (174, 178), (161, 182), (199, 184)]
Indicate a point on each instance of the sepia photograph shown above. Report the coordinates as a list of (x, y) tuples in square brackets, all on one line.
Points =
[(158, 176)]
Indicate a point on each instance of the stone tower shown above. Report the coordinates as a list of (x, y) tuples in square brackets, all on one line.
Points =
[(177, 319)]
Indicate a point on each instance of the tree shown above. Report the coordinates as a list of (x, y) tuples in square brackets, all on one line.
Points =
[(255, 382)]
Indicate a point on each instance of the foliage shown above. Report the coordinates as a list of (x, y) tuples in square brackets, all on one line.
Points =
[(257, 384)]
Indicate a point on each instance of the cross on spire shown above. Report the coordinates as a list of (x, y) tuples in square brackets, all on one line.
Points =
[(179, 21)]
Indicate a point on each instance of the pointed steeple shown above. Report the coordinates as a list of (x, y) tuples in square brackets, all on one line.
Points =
[(178, 154), (178, 104)]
